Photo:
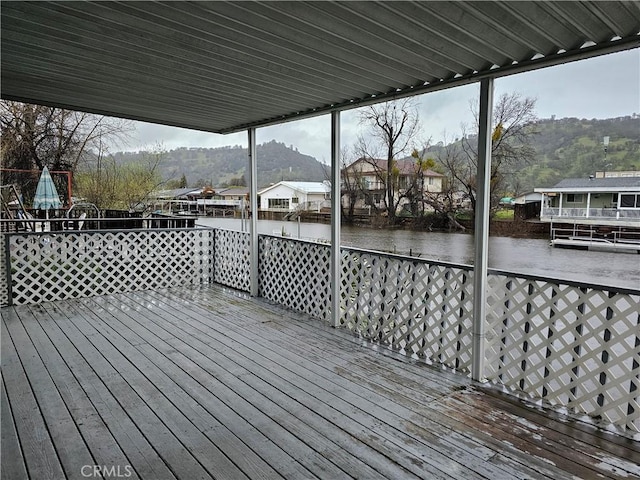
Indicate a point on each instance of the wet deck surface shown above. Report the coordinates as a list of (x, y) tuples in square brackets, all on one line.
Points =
[(207, 383)]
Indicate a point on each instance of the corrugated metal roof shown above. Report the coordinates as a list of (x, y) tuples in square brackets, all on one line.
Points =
[(595, 184), (224, 66)]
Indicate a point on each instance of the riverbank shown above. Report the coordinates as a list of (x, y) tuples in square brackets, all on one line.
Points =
[(499, 228)]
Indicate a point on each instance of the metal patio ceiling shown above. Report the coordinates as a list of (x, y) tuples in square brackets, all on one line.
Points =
[(225, 66)]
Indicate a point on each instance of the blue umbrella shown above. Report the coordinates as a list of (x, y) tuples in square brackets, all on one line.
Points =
[(46, 194)]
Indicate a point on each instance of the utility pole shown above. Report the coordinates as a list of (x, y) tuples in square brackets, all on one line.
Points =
[(606, 145)]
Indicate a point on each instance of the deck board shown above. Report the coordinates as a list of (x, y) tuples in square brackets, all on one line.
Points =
[(37, 446), (103, 448), (207, 383), (13, 465), (140, 453)]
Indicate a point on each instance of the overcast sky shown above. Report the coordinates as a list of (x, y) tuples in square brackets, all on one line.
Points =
[(601, 87)]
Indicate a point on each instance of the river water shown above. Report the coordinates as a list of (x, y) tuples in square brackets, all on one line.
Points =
[(520, 255)]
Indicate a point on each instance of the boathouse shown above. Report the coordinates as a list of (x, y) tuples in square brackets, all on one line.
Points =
[(611, 201)]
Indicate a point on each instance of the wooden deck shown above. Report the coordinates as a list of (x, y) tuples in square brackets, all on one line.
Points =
[(208, 383)]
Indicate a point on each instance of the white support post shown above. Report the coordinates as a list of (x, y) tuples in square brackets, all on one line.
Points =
[(481, 238), (588, 203), (541, 205), (560, 206), (336, 256), (253, 207)]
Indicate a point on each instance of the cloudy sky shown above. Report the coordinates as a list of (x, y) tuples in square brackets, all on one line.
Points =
[(602, 87)]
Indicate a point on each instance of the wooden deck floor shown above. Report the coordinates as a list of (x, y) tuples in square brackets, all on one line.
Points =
[(207, 383)]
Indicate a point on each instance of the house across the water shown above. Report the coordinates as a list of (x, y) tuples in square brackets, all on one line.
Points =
[(604, 211), (289, 196)]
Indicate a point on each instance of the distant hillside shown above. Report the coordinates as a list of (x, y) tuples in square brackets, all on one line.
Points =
[(567, 147), (573, 148), (225, 165)]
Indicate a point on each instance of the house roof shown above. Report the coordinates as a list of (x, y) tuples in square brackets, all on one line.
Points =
[(226, 66), (614, 184), (176, 192), (304, 187), (405, 166), (234, 191)]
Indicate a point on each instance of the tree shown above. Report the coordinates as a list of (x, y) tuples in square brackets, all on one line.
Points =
[(177, 183), (393, 128), (35, 136), (514, 122), (112, 186), (238, 181), (448, 200)]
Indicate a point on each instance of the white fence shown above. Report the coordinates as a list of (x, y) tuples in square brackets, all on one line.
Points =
[(47, 266), (569, 344), (597, 213)]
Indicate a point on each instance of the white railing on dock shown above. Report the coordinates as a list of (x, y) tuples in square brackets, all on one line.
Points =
[(601, 235), (566, 343), (593, 213)]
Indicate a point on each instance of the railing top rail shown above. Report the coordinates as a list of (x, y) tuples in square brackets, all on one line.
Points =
[(398, 256), (108, 230), (561, 281), (293, 239)]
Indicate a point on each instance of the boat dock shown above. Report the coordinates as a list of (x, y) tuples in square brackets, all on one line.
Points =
[(596, 238)]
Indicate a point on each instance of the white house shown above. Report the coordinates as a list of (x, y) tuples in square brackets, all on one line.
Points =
[(288, 196)]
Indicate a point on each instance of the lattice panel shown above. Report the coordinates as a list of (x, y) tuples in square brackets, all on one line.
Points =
[(232, 257), (4, 283), (411, 305), (50, 266), (296, 274), (572, 346)]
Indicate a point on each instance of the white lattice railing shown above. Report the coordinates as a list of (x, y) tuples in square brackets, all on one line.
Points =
[(295, 273), (574, 345), (570, 344), (413, 306), (4, 270), (232, 256), (54, 266)]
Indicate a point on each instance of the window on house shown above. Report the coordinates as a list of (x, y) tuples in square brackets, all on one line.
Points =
[(294, 200), (575, 198), (629, 200), (278, 203)]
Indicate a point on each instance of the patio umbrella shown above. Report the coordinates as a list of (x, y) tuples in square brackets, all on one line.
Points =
[(46, 194)]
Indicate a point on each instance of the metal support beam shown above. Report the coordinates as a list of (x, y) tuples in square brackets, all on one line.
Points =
[(335, 219), (253, 207), (481, 240)]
